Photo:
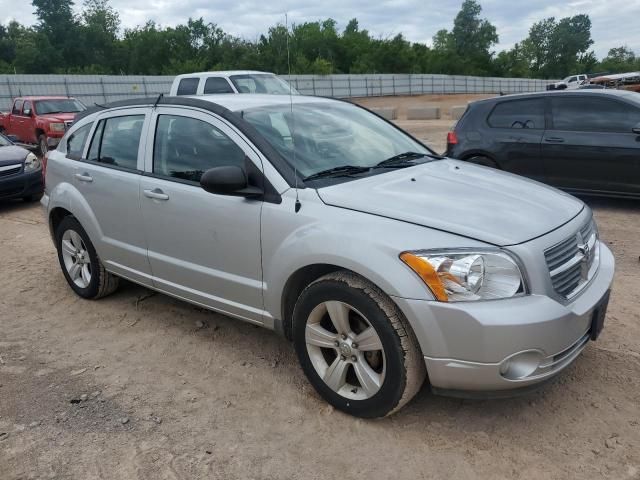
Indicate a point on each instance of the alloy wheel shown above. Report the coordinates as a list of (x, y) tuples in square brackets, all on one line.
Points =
[(345, 350), (76, 258)]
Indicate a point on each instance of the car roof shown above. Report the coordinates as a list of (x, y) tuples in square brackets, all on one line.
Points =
[(256, 100), (45, 97), (633, 96), (223, 73)]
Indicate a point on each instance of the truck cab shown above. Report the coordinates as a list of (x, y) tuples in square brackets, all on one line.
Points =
[(40, 121)]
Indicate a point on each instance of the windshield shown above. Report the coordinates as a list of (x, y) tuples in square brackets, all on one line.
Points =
[(261, 83), (4, 142), (62, 105), (329, 135)]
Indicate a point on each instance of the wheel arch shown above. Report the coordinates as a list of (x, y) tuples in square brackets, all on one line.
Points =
[(56, 215)]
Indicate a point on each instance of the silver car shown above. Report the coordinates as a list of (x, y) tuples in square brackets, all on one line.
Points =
[(384, 263)]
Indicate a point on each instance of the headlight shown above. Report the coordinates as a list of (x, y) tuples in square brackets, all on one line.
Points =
[(456, 276), (56, 127), (32, 163)]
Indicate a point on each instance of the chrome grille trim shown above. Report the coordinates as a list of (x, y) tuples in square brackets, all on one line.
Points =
[(573, 261)]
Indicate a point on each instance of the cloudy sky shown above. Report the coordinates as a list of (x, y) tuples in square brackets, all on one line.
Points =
[(615, 22)]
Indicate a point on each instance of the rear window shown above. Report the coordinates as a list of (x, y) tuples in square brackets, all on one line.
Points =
[(116, 141), (76, 141), (188, 86), (217, 85), (17, 107), (518, 114)]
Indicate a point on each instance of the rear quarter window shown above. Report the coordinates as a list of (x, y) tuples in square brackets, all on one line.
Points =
[(188, 86), (217, 85), (527, 113), (76, 141)]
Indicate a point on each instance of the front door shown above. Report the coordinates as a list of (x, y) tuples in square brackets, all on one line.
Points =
[(109, 179), (591, 145), (202, 247)]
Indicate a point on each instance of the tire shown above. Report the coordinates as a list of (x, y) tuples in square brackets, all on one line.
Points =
[(32, 198), (91, 281), (43, 146), (484, 161), (362, 380)]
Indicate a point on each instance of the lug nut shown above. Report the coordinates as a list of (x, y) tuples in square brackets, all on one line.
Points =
[(344, 337), (354, 345), (343, 358), (336, 343), (353, 358)]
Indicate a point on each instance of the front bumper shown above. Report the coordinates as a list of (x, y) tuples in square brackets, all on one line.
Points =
[(466, 345), (22, 185)]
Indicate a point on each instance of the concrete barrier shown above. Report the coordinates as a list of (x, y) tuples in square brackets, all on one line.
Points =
[(387, 112), (457, 111), (426, 112)]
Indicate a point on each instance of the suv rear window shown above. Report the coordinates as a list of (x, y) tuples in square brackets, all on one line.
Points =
[(518, 114), (217, 85), (188, 86)]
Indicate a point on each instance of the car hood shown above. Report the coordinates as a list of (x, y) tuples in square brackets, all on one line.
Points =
[(61, 117), (12, 154), (458, 197)]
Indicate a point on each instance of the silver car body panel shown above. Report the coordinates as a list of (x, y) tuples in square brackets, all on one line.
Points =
[(235, 255)]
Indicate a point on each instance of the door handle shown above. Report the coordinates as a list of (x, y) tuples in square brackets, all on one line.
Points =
[(554, 139), (84, 177), (156, 194)]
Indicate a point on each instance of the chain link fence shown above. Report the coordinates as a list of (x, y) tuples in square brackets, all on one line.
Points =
[(100, 89)]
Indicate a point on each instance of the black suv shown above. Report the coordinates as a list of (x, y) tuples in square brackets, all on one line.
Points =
[(583, 141)]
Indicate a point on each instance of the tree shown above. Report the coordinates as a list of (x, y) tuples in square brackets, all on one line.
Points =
[(57, 23), (620, 59), (467, 48), (555, 49)]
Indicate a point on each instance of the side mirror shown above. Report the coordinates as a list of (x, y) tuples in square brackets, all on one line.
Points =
[(27, 112), (229, 180), (636, 129)]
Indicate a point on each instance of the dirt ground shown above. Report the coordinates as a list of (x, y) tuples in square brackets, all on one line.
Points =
[(142, 386)]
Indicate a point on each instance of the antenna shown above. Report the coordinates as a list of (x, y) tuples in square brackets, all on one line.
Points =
[(298, 205)]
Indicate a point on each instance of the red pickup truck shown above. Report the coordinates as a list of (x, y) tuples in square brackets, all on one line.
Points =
[(40, 121)]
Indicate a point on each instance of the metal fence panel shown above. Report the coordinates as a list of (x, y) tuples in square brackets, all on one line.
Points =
[(99, 89)]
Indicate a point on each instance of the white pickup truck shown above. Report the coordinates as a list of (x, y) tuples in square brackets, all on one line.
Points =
[(570, 82)]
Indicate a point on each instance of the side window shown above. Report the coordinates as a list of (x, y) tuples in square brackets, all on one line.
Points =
[(186, 147), (17, 107), (217, 85), (76, 141), (26, 109), (572, 79), (585, 114), (518, 114), (116, 141), (188, 86)]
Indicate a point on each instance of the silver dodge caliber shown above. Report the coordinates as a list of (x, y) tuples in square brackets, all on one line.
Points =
[(382, 262)]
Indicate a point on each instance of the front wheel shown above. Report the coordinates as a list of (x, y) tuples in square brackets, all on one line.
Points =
[(355, 346), (43, 145)]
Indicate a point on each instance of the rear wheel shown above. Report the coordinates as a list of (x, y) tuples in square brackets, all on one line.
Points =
[(80, 263), (355, 346)]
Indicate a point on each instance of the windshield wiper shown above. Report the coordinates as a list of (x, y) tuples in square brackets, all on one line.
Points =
[(405, 159), (337, 171)]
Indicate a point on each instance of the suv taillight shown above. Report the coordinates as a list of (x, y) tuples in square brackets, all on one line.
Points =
[(452, 138)]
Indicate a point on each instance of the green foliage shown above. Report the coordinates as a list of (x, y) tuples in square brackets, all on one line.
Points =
[(93, 42)]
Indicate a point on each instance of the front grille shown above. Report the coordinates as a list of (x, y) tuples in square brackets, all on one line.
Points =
[(570, 261), (10, 170)]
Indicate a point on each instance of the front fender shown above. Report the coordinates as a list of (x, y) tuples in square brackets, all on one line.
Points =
[(366, 244)]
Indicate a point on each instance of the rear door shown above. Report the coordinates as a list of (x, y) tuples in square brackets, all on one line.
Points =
[(517, 127), (590, 145), (109, 180)]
